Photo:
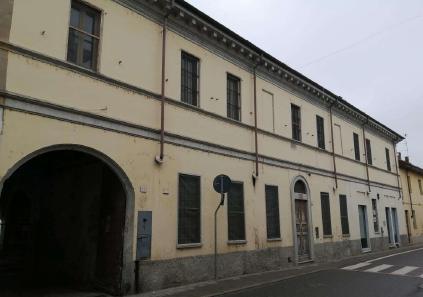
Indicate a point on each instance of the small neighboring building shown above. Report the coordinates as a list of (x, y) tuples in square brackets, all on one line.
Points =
[(412, 190)]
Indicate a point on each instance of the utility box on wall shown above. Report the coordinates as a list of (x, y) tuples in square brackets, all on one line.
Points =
[(144, 235)]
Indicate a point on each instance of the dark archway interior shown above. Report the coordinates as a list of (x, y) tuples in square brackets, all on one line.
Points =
[(62, 219)]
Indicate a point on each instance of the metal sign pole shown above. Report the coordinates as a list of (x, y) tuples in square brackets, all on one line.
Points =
[(225, 183)]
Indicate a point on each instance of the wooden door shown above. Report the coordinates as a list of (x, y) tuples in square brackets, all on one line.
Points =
[(301, 222)]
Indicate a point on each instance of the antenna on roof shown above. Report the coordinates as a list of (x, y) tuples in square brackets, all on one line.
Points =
[(406, 144)]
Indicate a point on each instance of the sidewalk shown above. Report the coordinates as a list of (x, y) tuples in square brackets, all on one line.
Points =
[(234, 284)]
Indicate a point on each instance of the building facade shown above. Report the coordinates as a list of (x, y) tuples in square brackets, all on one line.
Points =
[(117, 115), (412, 190)]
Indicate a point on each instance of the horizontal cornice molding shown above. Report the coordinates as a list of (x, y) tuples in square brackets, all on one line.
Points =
[(45, 109)]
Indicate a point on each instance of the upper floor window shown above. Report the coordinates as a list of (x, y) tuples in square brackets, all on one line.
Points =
[(369, 152), (356, 147), (84, 35), (189, 209), (296, 122), (190, 76), (234, 97), (409, 184), (320, 132), (420, 187), (388, 159)]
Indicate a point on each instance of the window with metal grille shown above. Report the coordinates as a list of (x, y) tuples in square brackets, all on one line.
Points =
[(320, 132), (236, 220), (369, 152), (190, 76), (296, 122), (375, 216), (420, 187), (272, 212), (234, 97), (325, 204), (84, 35), (356, 146), (189, 209), (344, 214), (388, 159)]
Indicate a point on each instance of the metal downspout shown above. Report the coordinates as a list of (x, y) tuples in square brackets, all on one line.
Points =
[(409, 193), (333, 143), (397, 171), (365, 153), (255, 122), (160, 158)]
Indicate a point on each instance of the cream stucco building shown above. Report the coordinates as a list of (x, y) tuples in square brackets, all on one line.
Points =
[(116, 115), (412, 190)]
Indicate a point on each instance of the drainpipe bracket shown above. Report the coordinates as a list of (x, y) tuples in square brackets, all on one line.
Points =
[(254, 178), (159, 160)]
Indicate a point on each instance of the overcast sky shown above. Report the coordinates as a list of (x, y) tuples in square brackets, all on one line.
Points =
[(370, 52)]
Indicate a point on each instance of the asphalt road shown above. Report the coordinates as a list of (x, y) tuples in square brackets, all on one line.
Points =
[(393, 276)]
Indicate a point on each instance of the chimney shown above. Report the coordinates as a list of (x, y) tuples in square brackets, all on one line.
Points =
[(399, 156), (407, 159)]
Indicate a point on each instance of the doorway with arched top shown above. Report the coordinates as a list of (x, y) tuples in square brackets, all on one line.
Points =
[(302, 225)]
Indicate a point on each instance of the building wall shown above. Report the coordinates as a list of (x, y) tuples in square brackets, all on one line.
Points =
[(413, 201), (116, 112)]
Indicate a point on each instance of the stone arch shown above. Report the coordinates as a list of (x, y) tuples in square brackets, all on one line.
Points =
[(125, 282)]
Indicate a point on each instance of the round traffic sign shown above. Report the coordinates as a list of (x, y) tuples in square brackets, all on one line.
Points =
[(222, 183)]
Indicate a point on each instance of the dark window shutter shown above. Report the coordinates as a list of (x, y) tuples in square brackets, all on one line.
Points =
[(189, 79), (327, 226), (320, 132), (189, 209), (272, 212), (388, 159), (236, 220), (344, 214), (356, 147), (296, 122), (234, 97), (369, 152)]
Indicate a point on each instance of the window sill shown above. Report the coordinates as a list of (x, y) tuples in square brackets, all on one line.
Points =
[(189, 246), (274, 239), (346, 235), (189, 104), (236, 242), (327, 236)]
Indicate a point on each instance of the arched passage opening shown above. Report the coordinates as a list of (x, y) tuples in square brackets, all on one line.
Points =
[(62, 217)]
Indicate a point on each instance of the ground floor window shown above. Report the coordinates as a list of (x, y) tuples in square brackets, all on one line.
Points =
[(272, 212), (375, 216), (236, 218), (325, 204), (344, 214), (189, 210)]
